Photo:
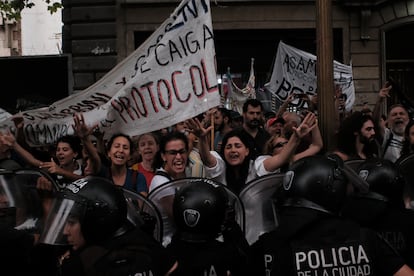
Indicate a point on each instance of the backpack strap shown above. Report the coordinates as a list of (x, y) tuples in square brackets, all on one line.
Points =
[(134, 180), (162, 173)]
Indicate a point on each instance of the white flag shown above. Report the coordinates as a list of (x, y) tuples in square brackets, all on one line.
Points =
[(241, 95), (171, 77)]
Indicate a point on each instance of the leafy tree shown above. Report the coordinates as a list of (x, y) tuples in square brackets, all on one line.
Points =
[(11, 9)]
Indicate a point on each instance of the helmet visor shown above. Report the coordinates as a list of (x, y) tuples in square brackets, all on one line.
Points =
[(18, 208), (62, 226)]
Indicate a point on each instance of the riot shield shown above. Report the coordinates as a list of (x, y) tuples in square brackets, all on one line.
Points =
[(256, 197), (23, 206), (144, 214), (163, 197), (406, 167)]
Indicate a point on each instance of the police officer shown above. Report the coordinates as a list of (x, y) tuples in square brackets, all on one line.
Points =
[(208, 241), (91, 215), (311, 238), (15, 244), (382, 207), (21, 219)]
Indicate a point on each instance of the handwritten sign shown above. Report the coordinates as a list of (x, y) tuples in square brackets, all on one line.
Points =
[(171, 77), (294, 71)]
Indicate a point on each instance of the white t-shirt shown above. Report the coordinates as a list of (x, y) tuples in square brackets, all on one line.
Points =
[(393, 150), (218, 172)]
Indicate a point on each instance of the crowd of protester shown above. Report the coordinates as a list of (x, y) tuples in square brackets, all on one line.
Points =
[(216, 146)]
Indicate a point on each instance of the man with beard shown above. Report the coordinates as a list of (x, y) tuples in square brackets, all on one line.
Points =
[(391, 137), (356, 137), (222, 124), (252, 125)]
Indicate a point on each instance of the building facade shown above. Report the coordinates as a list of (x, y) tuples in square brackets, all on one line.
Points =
[(10, 37), (372, 35)]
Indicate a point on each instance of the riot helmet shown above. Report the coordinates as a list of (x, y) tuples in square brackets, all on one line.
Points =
[(199, 210), (384, 179), (98, 205), (316, 182)]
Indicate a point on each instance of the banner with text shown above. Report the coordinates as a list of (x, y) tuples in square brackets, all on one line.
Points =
[(294, 71), (171, 77)]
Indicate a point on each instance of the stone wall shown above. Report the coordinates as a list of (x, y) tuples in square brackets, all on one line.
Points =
[(89, 34)]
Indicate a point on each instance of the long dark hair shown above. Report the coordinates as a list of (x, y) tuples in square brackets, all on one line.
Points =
[(407, 147), (346, 138), (236, 181)]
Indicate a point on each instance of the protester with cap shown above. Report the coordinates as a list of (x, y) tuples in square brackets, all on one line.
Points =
[(280, 150), (274, 125)]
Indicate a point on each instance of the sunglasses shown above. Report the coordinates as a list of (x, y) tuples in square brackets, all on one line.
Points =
[(175, 152), (279, 145)]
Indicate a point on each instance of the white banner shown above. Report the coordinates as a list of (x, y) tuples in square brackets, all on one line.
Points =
[(171, 77), (294, 71), (4, 114)]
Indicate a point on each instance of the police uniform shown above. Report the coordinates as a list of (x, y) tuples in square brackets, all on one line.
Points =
[(133, 253), (112, 244), (382, 207), (209, 258), (313, 243), (311, 238), (208, 241), (394, 225)]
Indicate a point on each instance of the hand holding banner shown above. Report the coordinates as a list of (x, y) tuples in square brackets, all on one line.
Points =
[(294, 71), (171, 77)]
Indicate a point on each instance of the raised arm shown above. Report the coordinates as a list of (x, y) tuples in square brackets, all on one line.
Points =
[(196, 127), (84, 132), (376, 113), (315, 146), (23, 153), (276, 161)]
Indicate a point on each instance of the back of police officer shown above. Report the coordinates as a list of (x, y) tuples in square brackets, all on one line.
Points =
[(201, 214), (311, 239), (382, 207)]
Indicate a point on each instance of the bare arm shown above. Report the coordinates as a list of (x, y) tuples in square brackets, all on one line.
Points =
[(202, 133), (376, 113), (405, 270), (54, 168), (276, 161), (25, 154), (315, 146), (83, 132)]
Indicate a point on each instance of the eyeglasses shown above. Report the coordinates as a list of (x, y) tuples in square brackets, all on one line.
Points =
[(279, 145), (175, 152)]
